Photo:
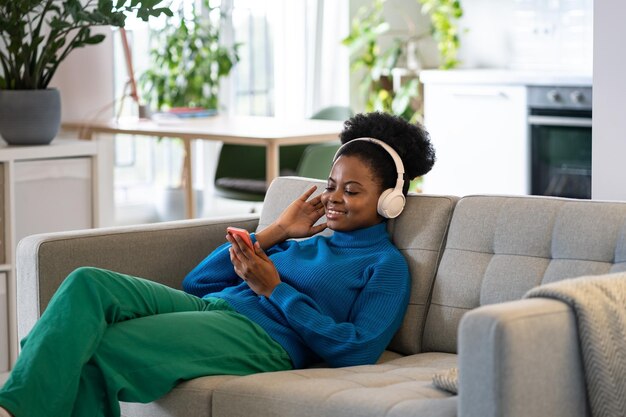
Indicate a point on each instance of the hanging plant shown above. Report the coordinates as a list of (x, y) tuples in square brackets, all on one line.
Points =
[(444, 17), (377, 65)]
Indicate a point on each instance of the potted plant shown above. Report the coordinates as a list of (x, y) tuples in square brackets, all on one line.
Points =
[(187, 62), (35, 37)]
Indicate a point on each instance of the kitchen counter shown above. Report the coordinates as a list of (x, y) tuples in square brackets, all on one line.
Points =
[(505, 77)]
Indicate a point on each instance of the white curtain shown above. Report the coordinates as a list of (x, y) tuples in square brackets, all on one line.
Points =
[(311, 67)]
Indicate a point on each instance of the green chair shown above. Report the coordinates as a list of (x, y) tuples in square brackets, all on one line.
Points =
[(334, 113), (240, 172), (318, 158)]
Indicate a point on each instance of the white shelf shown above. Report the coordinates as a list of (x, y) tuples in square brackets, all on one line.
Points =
[(36, 178), (58, 148)]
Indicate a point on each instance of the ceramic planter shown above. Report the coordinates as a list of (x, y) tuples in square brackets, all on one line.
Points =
[(29, 117)]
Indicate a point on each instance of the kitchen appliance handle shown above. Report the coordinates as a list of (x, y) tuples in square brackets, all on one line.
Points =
[(559, 121)]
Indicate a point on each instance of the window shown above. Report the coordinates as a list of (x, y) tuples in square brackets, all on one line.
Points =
[(253, 75)]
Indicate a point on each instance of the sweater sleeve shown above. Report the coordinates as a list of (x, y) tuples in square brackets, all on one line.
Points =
[(216, 272), (212, 274), (376, 315)]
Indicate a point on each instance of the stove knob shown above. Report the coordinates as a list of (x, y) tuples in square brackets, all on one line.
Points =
[(577, 97), (554, 96)]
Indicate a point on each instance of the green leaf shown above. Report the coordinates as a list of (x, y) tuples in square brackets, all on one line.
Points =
[(143, 14), (444, 16), (403, 97), (92, 40), (105, 6), (58, 24), (164, 10)]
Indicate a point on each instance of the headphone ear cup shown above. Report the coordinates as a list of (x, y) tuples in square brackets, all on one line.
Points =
[(391, 203)]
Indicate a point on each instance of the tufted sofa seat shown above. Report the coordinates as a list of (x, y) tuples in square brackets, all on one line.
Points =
[(471, 261)]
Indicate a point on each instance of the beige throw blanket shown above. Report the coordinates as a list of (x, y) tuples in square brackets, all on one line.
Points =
[(599, 303)]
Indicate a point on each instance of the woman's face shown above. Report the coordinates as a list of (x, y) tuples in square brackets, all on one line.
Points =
[(351, 196)]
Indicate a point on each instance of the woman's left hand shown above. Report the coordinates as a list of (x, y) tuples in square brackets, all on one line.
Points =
[(253, 266)]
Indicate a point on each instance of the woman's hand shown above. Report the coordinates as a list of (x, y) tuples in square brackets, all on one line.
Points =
[(253, 266), (296, 221)]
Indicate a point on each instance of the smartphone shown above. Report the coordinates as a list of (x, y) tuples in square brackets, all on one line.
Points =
[(242, 233)]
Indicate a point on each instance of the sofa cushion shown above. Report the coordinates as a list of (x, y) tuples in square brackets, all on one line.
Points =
[(400, 387), (500, 247), (188, 399), (419, 232)]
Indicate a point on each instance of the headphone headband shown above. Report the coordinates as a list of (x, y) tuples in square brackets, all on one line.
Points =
[(392, 152), (391, 202)]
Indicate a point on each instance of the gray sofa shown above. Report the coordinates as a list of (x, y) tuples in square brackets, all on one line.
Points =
[(471, 259)]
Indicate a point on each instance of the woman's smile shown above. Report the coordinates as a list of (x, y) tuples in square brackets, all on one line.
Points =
[(333, 213)]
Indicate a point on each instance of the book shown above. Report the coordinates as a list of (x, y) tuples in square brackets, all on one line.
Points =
[(185, 112)]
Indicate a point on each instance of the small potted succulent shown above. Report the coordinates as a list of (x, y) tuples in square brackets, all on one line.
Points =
[(35, 37)]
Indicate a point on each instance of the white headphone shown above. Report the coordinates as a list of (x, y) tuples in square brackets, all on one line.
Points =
[(391, 201)]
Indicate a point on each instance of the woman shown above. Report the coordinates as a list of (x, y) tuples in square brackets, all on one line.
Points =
[(279, 305)]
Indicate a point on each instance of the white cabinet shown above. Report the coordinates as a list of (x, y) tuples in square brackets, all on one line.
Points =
[(52, 195), (42, 189), (480, 137)]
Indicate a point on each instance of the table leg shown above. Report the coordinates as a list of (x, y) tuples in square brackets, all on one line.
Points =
[(272, 158), (187, 181)]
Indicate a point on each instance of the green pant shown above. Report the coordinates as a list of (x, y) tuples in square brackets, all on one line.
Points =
[(107, 337)]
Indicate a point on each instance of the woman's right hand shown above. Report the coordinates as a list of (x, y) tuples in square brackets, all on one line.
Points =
[(296, 221)]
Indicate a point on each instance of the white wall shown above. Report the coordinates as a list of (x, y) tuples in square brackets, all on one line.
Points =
[(527, 34), (609, 91), (85, 81)]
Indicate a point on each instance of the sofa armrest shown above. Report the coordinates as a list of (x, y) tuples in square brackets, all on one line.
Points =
[(521, 358), (162, 252)]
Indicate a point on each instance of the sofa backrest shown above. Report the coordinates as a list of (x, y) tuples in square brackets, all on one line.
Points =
[(419, 232), (500, 247)]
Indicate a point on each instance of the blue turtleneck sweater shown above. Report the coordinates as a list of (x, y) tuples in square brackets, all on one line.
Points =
[(340, 301)]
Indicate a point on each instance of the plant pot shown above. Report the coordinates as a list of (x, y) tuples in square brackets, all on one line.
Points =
[(29, 117)]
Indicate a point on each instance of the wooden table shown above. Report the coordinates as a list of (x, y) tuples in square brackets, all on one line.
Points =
[(246, 130)]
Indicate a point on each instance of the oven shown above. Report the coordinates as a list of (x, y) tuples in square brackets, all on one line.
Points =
[(559, 121)]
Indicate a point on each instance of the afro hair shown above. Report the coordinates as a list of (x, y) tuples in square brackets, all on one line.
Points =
[(410, 141)]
